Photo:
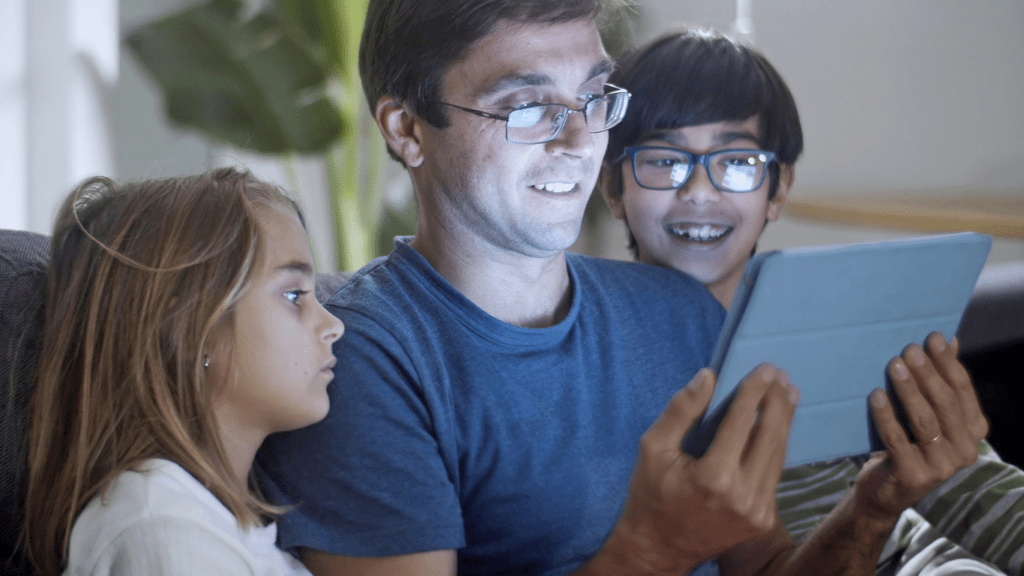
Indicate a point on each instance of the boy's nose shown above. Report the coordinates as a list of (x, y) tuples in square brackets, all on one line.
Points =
[(698, 188)]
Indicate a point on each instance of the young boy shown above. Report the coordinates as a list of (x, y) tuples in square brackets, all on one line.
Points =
[(703, 160)]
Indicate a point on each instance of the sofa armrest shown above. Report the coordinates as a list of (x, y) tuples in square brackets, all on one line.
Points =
[(995, 315)]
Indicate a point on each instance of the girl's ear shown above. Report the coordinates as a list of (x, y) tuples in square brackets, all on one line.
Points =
[(218, 355), (400, 129), (604, 182), (786, 176)]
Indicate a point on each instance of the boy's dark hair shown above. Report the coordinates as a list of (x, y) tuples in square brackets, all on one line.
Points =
[(697, 77), (408, 45)]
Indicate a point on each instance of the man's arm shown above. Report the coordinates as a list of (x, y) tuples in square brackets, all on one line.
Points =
[(434, 563)]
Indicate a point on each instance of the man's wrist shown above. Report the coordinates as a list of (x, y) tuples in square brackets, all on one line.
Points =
[(863, 528), (870, 516), (848, 542)]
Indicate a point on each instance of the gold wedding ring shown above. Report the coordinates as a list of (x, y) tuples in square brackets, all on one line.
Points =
[(933, 440)]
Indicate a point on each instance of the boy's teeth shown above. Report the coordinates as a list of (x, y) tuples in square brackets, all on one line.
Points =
[(555, 186), (702, 233)]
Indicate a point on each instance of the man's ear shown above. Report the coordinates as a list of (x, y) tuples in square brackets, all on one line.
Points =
[(400, 129), (604, 182), (786, 176)]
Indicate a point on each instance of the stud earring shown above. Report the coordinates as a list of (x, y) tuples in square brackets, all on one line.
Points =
[(206, 361)]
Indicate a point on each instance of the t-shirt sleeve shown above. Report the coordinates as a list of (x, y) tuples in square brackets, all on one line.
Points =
[(378, 476), (170, 547)]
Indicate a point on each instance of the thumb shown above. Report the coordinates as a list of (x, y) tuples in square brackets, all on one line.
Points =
[(685, 407)]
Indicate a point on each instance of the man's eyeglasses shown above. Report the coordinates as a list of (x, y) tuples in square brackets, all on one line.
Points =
[(541, 123), (664, 168)]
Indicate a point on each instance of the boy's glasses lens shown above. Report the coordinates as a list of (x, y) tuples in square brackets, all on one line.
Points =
[(730, 170)]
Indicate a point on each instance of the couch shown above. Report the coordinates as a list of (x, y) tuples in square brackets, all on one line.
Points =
[(991, 334)]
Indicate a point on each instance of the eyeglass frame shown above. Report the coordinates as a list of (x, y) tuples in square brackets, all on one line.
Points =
[(565, 117), (695, 159)]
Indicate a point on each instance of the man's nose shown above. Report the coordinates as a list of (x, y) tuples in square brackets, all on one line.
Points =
[(575, 138)]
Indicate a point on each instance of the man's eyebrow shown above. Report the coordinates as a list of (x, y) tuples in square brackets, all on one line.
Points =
[(520, 79), (603, 67), (512, 81)]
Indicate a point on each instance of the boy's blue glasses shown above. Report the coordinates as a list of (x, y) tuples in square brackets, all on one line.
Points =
[(666, 168)]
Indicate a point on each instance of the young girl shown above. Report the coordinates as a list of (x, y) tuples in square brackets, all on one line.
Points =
[(181, 329)]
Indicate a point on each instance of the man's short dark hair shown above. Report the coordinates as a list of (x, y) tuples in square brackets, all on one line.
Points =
[(408, 45), (697, 77)]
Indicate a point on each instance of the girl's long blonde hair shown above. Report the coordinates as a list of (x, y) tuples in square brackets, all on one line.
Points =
[(139, 276)]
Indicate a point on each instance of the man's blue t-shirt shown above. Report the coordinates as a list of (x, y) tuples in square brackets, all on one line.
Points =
[(450, 429)]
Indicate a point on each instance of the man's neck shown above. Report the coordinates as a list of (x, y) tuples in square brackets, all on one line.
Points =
[(526, 291)]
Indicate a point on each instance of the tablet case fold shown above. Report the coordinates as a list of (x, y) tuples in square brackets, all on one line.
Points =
[(832, 317)]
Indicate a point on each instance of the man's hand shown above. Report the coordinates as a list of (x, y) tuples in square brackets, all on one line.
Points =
[(946, 421), (682, 511), (947, 424)]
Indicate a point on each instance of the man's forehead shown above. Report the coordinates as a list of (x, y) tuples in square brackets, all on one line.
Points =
[(516, 55), (519, 79)]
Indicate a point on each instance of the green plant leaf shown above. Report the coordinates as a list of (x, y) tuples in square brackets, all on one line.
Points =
[(252, 83)]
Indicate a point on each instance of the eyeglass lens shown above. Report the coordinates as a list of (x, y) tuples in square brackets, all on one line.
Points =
[(734, 170), (543, 122)]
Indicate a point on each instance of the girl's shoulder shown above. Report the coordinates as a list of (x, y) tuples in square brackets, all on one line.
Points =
[(157, 514), (152, 491)]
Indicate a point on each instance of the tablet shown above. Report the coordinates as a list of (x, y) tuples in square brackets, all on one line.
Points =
[(833, 317)]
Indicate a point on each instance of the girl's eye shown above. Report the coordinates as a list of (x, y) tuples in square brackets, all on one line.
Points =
[(293, 296)]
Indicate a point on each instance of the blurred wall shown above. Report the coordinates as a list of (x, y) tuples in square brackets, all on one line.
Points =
[(905, 94), (58, 62)]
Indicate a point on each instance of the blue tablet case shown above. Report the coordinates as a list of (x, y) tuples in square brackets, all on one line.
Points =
[(832, 317)]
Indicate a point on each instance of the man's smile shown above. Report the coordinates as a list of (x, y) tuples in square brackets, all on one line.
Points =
[(555, 187)]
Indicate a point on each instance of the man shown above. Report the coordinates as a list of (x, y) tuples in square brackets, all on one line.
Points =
[(494, 392), (697, 92)]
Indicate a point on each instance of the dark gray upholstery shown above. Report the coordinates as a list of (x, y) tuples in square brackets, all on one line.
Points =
[(995, 315), (23, 257)]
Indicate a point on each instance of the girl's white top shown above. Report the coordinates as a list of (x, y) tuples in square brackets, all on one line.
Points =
[(162, 521)]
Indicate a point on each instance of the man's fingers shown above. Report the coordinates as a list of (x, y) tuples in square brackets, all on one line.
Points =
[(889, 429), (921, 418), (950, 442), (733, 434), (766, 451), (682, 411), (944, 357)]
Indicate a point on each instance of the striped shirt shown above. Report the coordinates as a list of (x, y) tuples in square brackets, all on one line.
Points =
[(980, 508)]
